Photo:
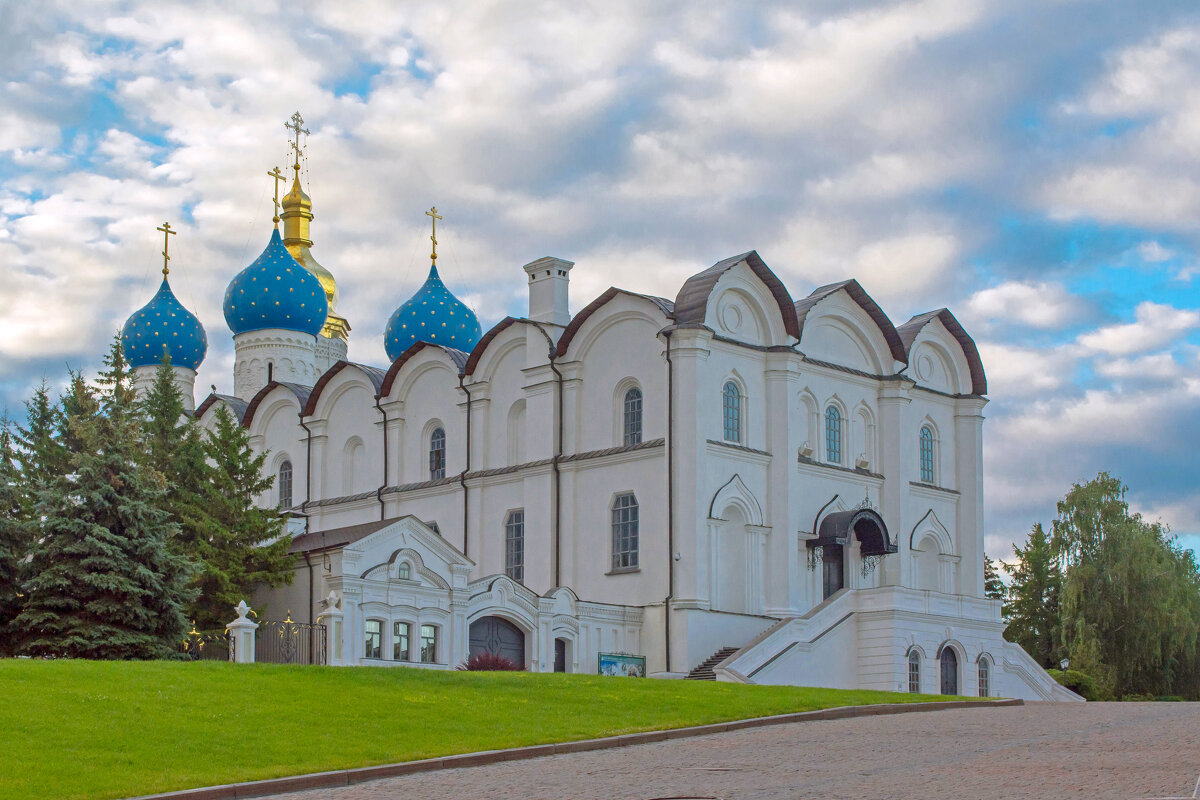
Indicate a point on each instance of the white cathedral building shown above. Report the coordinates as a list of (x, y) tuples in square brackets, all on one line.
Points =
[(734, 482)]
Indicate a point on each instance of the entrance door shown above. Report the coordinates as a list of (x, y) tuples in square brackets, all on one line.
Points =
[(560, 655), (949, 671), (498, 637), (833, 568)]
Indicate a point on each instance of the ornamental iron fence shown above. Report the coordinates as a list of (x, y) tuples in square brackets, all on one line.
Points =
[(208, 646), (289, 642)]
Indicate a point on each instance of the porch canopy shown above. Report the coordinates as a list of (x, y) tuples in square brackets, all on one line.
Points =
[(866, 525)]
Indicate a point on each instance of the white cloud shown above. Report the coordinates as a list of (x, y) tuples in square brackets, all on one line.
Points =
[(1039, 305), (1014, 371), (1156, 326)]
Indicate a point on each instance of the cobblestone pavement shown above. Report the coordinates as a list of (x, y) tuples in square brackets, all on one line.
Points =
[(1041, 750)]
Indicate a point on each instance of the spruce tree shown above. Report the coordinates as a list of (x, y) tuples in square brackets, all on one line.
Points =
[(1033, 608), (39, 448), (103, 581), (238, 544), (13, 539), (993, 587)]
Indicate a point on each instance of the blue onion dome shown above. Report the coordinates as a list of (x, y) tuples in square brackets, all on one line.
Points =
[(164, 326), (275, 292), (432, 315)]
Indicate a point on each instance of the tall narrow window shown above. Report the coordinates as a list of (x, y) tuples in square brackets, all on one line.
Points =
[(984, 678), (437, 454), (625, 532), (633, 416), (514, 545), (373, 630), (833, 435), (285, 485), (731, 407), (914, 672), (404, 571), (428, 644), (927, 454), (400, 635)]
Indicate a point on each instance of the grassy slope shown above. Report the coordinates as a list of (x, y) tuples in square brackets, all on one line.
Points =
[(75, 729)]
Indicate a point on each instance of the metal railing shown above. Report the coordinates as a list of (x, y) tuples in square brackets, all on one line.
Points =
[(289, 642)]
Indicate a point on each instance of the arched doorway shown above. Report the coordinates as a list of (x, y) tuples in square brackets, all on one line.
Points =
[(949, 671), (499, 637)]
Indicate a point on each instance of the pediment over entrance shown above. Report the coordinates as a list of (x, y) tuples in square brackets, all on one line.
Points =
[(430, 558), (864, 523)]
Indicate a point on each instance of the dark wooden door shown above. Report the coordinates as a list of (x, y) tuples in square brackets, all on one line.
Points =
[(949, 671), (833, 568), (560, 655), (498, 637)]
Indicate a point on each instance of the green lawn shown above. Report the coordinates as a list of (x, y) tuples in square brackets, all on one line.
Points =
[(80, 729)]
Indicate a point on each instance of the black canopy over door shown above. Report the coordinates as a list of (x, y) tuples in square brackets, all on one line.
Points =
[(498, 637), (949, 671), (832, 558)]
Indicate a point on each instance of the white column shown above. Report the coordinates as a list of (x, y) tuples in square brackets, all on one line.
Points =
[(241, 635), (333, 620)]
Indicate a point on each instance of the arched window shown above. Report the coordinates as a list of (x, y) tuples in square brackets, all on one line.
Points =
[(437, 454), (285, 485), (404, 571), (633, 416), (985, 675), (731, 407), (926, 454), (914, 671), (833, 435), (625, 532), (514, 545)]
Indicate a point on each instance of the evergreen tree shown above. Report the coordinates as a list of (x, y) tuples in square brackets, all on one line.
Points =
[(238, 544), (1032, 611), (993, 587), (13, 525), (39, 449), (103, 582)]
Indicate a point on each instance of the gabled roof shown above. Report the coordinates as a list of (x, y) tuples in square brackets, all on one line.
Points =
[(909, 331), (866, 303), (692, 301), (301, 393), (374, 374), (338, 537), (236, 404), (457, 357), (663, 304)]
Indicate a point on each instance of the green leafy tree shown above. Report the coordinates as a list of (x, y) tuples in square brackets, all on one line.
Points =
[(238, 544), (1033, 598), (103, 580), (993, 587)]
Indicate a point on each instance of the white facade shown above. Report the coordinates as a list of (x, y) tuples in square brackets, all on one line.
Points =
[(840, 418)]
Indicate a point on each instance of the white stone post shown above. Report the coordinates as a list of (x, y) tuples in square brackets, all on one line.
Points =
[(241, 635), (332, 619)]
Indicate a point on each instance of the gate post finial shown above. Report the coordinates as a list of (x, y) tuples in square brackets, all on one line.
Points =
[(241, 634)]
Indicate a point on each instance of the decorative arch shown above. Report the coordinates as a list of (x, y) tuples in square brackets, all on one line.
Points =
[(691, 304), (858, 295), (810, 408), (933, 529), (373, 375), (298, 392), (909, 331), (864, 524), (454, 359), (735, 492), (862, 436), (353, 466), (515, 433), (665, 307), (623, 426), (481, 347)]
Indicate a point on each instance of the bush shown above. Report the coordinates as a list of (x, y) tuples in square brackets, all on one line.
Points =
[(1078, 682), (489, 662)]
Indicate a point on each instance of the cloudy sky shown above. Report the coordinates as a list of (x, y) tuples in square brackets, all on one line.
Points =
[(1034, 165)]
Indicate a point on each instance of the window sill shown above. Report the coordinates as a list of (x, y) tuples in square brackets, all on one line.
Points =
[(623, 570)]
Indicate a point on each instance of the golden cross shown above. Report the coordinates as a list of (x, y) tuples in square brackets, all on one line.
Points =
[(167, 234), (278, 176), (433, 213), (296, 126)]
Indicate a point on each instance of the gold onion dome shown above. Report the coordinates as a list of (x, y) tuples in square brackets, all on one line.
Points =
[(296, 216)]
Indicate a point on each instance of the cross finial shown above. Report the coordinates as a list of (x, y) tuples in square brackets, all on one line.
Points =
[(167, 234), (278, 176), (433, 213), (296, 126)]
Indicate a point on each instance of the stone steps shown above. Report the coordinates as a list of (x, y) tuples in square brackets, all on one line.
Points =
[(704, 670)]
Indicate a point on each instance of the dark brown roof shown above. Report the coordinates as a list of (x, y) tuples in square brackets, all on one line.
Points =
[(301, 393), (692, 300), (374, 374), (866, 303), (236, 404), (564, 342), (478, 350), (456, 357), (338, 537), (908, 334)]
